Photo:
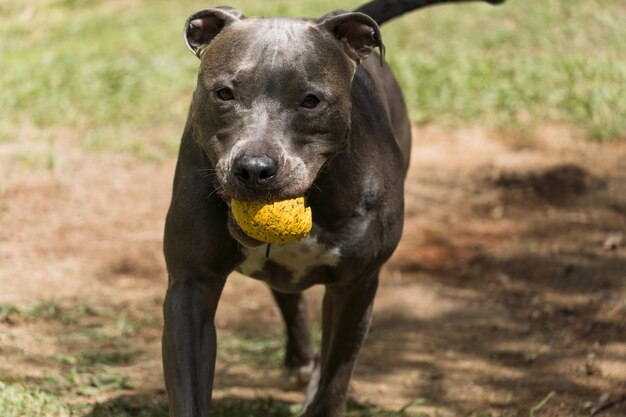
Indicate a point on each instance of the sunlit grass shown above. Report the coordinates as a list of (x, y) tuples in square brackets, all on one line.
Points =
[(518, 64), (119, 74), (17, 400)]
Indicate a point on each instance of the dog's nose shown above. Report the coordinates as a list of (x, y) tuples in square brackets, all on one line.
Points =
[(255, 170)]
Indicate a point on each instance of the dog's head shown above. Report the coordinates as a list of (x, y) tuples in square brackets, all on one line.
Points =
[(272, 103)]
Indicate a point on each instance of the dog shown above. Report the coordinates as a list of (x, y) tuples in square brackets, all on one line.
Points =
[(286, 108)]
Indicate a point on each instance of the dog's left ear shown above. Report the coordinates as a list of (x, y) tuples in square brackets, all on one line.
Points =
[(203, 26), (358, 33)]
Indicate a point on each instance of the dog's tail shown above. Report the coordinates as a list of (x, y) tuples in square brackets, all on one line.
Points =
[(384, 10)]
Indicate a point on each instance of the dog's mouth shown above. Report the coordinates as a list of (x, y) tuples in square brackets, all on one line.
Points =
[(237, 232), (239, 235), (250, 195)]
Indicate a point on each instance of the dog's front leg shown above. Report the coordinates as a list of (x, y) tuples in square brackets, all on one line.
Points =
[(347, 313), (299, 352), (189, 344)]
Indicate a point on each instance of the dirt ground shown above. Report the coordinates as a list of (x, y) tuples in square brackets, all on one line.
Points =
[(505, 297)]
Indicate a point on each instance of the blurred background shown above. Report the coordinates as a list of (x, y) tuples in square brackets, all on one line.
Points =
[(506, 296)]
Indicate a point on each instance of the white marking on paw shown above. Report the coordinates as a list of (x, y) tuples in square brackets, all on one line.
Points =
[(297, 378), (297, 257)]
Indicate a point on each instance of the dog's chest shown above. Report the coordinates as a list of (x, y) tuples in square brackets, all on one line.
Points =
[(298, 258)]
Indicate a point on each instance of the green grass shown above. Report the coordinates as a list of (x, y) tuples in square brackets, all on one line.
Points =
[(20, 400), (118, 74), (265, 351), (96, 345), (17, 400), (518, 64)]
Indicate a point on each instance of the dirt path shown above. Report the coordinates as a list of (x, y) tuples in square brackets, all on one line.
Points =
[(508, 288)]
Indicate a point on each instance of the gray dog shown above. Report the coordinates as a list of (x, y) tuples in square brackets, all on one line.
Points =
[(286, 108)]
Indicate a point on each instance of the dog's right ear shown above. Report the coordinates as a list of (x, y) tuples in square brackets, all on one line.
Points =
[(358, 33), (203, 26)]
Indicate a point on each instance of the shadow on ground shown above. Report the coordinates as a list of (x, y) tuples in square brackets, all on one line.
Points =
[(155, 405), (517, 307)]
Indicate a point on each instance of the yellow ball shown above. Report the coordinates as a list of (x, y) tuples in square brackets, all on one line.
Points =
[(273, 221)]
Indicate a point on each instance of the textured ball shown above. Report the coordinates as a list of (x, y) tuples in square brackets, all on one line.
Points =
[(273, 221)]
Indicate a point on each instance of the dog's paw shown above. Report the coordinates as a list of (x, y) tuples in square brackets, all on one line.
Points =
[(299, 377)]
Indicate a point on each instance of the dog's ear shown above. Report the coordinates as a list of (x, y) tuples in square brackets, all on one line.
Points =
[(203, 26), (358, 33)]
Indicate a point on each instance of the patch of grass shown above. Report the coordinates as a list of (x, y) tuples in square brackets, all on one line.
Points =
[(408, 406), (129, 407), (79, 380), (64, 359), (104, 323), (260, 350), (517, 64), (8, 312), (4, 208), (266, 350), (103, 68), (117, 357), (119, 74), (84, 368), (35, 160), (93, 344), (52, 310), (21, 401), (95, 383), (266, 407), (230, 407), (127, 324)]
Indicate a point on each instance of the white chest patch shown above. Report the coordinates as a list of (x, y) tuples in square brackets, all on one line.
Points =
[(297, 257)]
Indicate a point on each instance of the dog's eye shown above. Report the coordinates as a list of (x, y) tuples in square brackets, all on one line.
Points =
[(310, 102), (225, 94)]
